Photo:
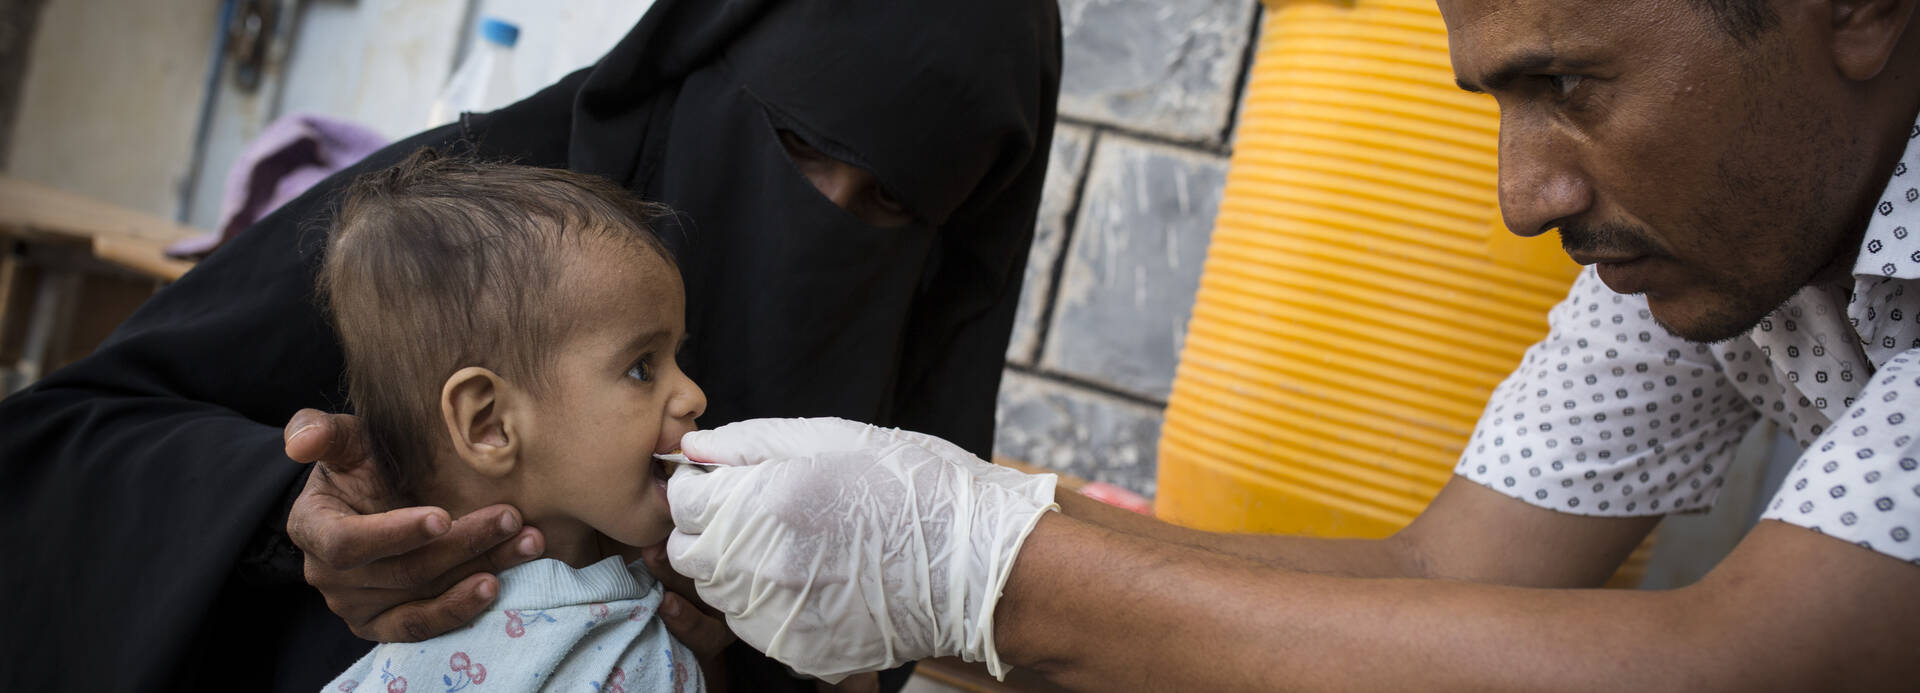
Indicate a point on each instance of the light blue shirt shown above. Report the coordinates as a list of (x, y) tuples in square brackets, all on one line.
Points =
[(554, 628)]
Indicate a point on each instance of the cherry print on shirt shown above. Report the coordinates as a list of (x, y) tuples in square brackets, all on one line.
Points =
[(614, 682), (395, 682), (681, 676), (517, 621), (465, 672)]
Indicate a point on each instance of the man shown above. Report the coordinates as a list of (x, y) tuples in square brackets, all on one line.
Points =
[(1742, 175)]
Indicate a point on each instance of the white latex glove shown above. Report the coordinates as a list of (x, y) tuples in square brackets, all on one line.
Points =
[(838, 547)]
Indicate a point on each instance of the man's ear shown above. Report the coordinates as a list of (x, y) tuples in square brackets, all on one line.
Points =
[(1867, 33), (482, 412)]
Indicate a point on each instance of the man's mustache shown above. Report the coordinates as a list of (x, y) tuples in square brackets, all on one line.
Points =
[(1606, 239)]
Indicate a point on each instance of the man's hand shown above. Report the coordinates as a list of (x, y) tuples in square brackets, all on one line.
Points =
[(394, 575), (837, 547)]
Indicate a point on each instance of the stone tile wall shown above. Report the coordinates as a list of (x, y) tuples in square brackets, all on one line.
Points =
[(1147, 105)]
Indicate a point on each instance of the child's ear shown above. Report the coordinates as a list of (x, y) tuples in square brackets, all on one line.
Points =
[(481, 413)]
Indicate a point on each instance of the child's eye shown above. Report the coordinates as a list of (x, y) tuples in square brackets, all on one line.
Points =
[(642, 370)]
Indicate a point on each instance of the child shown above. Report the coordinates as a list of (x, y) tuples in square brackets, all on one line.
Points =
[(510, 336)]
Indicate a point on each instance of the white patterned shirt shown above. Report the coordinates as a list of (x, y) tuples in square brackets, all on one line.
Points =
[(554, 628), (1613, 416)]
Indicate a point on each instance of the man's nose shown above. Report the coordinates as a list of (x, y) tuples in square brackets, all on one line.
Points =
[(1541, 183)]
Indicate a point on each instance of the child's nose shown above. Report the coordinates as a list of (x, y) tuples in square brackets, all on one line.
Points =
[(690, 403)]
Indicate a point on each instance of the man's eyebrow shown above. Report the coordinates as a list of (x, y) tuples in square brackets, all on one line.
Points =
[(1511, 69)]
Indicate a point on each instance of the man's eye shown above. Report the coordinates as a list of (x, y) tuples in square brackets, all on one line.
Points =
[(1563, 85), (643, 370)]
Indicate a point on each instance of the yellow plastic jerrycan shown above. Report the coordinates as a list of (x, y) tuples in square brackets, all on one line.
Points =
[(1361, 298)]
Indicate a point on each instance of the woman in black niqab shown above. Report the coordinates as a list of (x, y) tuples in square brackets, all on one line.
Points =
[(943, 105), (145, 489)]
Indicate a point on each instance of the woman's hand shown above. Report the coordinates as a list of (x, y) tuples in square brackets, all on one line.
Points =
[(696, 625), (394, 575)]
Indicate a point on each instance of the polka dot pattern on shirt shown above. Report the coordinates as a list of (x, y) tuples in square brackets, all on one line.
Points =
[(1861, 480), (1612, 415), (1609, 415)]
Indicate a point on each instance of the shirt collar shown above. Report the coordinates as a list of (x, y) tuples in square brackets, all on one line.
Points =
[(1891, 247)]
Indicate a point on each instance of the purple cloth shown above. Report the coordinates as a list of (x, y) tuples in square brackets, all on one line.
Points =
[(289, 156)]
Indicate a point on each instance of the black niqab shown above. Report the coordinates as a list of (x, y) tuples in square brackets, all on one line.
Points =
[(954, 122), (144, 487)]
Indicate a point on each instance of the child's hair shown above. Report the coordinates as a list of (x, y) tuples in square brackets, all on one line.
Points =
[(439, 263)]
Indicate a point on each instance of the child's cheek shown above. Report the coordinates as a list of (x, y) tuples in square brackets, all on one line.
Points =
[(657, 521)]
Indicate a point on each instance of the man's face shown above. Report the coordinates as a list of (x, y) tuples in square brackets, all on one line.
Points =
[(1689, 166)]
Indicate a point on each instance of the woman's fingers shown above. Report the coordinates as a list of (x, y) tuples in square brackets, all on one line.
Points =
[(334, 535), (698, 626), (420, 620), (487, 540), (387, 581), (335, 440), (331, 522), (403, 585), (400, 575), (704, 634), (655, 558)]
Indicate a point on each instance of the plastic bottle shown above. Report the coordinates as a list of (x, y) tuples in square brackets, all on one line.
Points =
[(484, 81)]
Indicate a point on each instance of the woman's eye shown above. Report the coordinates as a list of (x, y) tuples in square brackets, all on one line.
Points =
[(798, 148), (643, 370), (887, 203)]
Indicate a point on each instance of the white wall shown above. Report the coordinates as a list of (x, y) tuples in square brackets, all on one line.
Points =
[(382, 62), (375, 62), (559, 37), (112, 97)]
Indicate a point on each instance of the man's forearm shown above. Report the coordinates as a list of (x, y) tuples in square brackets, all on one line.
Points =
[(1389, 557), (1146, 615)]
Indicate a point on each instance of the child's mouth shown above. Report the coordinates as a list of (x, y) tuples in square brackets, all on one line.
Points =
[(660, 472)]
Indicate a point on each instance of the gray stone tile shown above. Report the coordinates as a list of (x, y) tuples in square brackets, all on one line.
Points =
[(1239, 113), (1076, 431), (1159, 66), (1065, 165), (1133, 265)]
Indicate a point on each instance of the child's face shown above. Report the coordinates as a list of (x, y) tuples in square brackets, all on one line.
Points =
[(617, 396)]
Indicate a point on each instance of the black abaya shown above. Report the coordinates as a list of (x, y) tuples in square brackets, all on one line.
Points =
[(144, 488)]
